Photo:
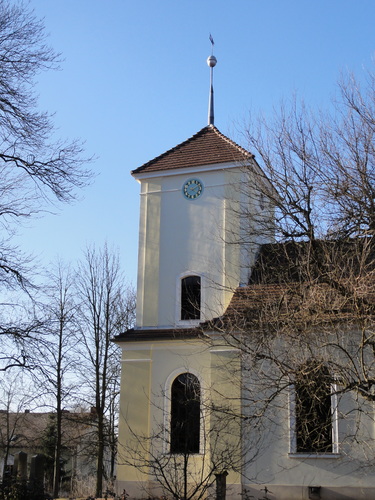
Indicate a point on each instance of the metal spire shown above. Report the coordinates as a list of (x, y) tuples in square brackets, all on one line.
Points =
[(211, 61)]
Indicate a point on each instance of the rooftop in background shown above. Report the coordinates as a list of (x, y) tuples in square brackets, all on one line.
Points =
[(28, 429)]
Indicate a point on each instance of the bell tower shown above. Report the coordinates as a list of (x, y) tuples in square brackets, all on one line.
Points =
[(196, 247), (191, 199)]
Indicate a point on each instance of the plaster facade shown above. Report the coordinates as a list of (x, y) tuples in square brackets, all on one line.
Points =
[(208, 236), (179, 237)]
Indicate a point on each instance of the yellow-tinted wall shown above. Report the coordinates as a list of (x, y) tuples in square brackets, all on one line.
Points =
[(201, 236)]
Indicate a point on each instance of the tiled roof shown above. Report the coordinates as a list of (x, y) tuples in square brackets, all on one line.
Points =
[(289, 307), (300, 285), (248, 306), (254, 297), (294, 285), (207, 147)]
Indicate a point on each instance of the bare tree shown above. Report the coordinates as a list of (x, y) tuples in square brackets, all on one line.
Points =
[(106, 309), (198, 444), (306, 319), (303, 326), (58, 350), (320, 165), (35, 169), (16, 396)]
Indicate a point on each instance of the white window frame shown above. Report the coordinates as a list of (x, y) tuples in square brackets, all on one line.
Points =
[(293, 453), (168, 408), (189, 322)]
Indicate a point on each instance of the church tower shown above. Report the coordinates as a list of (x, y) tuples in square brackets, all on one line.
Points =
[(216, 374), (195, 249), (189, 263)]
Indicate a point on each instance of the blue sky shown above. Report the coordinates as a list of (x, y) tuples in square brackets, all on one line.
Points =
[(134, 83)]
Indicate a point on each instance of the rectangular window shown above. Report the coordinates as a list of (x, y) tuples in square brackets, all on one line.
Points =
[(185, 414), (313, 417), (191, 298), (313, 411)]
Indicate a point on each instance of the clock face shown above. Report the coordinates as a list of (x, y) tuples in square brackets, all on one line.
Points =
[(192, 189)]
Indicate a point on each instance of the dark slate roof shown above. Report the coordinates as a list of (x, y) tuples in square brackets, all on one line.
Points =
[(134, 335), (207, 147), (299, 261)]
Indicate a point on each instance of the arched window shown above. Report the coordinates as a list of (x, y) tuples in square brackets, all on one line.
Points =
[(191, 298), (185, 414), (313, 409)]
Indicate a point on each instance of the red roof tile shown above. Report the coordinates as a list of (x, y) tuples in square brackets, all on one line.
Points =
[(207, 147), (290, 306)]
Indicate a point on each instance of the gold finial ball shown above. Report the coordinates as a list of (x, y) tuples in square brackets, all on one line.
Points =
[(211, 61)]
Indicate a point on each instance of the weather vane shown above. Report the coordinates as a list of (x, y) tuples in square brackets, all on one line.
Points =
[(211, 61), (212, 44)]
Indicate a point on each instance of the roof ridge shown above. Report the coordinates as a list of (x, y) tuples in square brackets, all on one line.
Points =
[(200, 133), (231, 142), (175, 148)]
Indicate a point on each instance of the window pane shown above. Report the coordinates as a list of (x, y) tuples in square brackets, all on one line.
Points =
[(313, 410), (190, 297), (185, 414)]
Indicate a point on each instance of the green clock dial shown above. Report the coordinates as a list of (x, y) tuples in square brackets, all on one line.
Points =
[(192, 189)]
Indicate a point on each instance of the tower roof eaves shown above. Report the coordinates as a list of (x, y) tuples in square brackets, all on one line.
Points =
[(207, 147)]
